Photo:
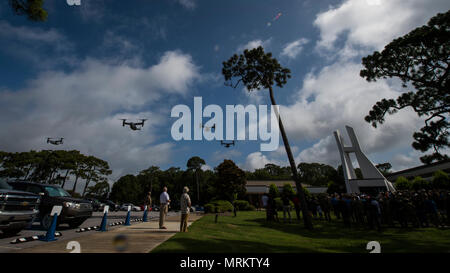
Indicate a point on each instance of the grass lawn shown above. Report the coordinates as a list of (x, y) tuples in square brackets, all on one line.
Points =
[(249, 232)]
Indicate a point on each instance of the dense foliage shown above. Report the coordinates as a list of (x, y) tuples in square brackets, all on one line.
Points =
[(420, 59), (218, 206), (33, 9), (439, 181), (56, 167)]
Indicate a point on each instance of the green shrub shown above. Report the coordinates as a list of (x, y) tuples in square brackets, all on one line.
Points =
[(402, 183), (243, 205), (419, 183), (279, 203), (220, 205), (306, 192), (441, 180), (209, 207), (332, 187), (288, 189), (273, 190)]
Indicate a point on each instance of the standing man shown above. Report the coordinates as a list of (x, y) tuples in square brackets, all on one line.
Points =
[(148, 201), (185, 206), (164, 201)]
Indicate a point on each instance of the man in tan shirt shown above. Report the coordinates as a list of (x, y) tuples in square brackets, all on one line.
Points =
[(185, 205), (148, 201), (164, 201)]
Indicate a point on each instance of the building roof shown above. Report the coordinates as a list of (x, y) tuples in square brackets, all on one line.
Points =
[(423, 170), (278, 183), (262, 186)]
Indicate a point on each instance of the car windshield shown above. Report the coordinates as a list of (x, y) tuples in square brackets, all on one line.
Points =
[(4, 185), (56, 192)]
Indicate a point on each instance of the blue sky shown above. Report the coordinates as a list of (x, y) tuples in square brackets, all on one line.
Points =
[(87, 66)]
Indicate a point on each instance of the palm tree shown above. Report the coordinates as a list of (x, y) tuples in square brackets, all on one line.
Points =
[(256, 70)]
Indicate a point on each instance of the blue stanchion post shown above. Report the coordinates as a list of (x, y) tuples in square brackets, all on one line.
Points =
[(104, 221), (144, 218), (127, 220), (50, 235)]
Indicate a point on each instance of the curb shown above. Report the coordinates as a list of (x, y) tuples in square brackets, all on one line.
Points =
[(32, 238), (88, 229)]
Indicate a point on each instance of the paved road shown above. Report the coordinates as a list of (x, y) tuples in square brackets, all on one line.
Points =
[(67, 232)]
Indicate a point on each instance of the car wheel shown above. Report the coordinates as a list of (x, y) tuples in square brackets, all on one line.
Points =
[(11, 231), (76, 223), (46, 221)]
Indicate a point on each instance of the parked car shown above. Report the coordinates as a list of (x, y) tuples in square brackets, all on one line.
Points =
[(199, 208), (74, 212), (96, 205), (155, 208), (124, 207), (17, 209), (112, 206)]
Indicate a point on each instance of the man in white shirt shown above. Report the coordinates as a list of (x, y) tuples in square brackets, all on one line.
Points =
[(164, 200)]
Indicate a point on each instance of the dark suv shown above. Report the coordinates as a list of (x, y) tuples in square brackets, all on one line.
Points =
[(17, 209), (75, 211)]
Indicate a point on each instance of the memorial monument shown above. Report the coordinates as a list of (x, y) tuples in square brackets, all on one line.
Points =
[(373, 180)]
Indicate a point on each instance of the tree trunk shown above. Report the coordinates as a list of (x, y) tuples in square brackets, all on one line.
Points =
[(28, 172), (306, 217), (65, 178), (88, 181), (75, 184), (198, 188), (51, 177), (85, 186)]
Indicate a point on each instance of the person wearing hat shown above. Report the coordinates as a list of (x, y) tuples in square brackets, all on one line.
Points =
[(185, 206)]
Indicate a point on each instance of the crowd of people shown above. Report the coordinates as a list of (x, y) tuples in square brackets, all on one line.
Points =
[(403, 209)]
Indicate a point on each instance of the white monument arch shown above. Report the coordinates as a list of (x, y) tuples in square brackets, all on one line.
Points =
[(372, 180)]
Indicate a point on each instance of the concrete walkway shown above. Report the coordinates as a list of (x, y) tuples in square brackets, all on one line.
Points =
[(139, 238)]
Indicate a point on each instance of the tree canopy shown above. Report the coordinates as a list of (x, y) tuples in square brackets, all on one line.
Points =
[(317, 174), (230, 180), (420, 59), (54, 167), (255, 69), (33, 9)]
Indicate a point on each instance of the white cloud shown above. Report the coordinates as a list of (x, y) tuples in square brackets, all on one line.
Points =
[(372, 23), (257, 160), (31, 34), (189, 4), (119, 44), (206, 167), (401, 161), (27, 43), (337, 96), (84, 107), (292, 49), (219, 156), (254, 44), (92, 11), (281, 151), (324, 151), (255, 97)]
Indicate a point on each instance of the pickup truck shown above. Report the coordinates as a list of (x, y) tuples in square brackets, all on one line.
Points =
[(74, 212), (17, 209)]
